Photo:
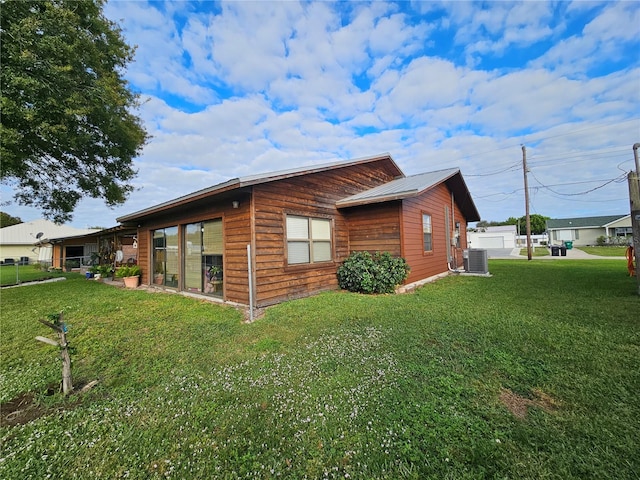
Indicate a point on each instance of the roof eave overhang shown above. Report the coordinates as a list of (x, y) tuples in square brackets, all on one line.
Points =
[(463, 197), (380, 199), (238, 183), (171, 204), (616, 220)]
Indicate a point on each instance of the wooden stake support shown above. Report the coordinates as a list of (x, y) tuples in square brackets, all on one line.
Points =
[(67, 384)]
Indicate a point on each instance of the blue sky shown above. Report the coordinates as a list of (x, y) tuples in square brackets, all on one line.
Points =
[(238, 88)]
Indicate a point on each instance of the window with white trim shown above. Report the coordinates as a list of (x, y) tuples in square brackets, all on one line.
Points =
[(308, 240)]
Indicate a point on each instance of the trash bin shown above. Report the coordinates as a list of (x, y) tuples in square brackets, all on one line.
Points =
[(568, 244), (555, 251), (563, 251)]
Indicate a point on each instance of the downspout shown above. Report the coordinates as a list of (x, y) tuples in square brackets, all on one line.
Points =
[(452, 236)]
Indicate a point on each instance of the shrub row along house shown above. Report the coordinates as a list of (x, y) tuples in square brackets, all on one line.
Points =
[(300, 225)]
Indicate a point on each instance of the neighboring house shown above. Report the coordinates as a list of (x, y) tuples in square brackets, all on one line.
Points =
[(29, 242), (587, 230), (503, 236), (299, 225), (117, 245), (536, 240)]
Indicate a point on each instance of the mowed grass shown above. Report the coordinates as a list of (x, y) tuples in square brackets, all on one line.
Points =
[(338, 385), (15, 274), (605, 251), (536, 252)]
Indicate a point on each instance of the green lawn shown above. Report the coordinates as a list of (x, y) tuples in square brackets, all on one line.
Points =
[(14, 274), (605, 251), (536, 252), (338, 385)]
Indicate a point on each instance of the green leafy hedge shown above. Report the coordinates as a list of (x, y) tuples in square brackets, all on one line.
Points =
[(377, 273)]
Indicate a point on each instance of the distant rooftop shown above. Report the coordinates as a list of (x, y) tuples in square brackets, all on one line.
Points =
[(584, 222)]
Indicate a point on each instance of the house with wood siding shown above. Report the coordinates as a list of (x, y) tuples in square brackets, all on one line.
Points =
[(293, 229)]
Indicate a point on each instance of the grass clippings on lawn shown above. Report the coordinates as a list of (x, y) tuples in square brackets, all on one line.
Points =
[(518, 405)]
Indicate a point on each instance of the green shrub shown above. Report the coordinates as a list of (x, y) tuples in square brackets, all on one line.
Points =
[(128, 271), (105, 270), (377, 273)]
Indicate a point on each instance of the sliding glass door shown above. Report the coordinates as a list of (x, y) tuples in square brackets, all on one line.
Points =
[(203, 250), (165, 256)]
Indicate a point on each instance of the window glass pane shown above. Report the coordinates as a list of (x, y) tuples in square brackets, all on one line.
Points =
[(426, 223), (193, 258), (171, 276), (158, 238), (320, 229), (297, 228), (321, 251), (426, 232), (298, 252), (212, 237)]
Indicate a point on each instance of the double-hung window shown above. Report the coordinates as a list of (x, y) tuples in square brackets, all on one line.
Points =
[(308, 240)]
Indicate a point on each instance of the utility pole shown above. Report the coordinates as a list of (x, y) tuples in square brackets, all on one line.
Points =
[(526, 200), (634, 200)]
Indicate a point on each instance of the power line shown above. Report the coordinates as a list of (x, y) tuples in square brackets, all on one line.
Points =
[(511, 167), (604, 182), (607, 182)]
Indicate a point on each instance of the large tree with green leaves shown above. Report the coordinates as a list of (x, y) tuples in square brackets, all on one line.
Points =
[(7, 220), (538, 223), (68, 125)]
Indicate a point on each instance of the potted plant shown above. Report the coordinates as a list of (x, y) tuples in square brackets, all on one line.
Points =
[(130, 274), (214, 279), (93, 270), (102, 271), (158, 275)]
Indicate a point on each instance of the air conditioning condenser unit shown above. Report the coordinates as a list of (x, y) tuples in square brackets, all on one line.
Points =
[(477, 261)]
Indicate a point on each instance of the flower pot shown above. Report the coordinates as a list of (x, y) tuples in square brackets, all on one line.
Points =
[(131, 282), (88, 275), (158, 279)]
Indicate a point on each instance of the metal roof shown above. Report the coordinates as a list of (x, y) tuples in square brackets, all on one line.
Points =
[(399, 188), (249, 180), (28, 233), (583, 222), (415, 185)]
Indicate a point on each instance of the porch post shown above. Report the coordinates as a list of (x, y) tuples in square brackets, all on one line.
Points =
[(250, 272)]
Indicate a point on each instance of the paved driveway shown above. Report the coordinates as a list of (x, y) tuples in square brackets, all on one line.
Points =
[(503, 252)]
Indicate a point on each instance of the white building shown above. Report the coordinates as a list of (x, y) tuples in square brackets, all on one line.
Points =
[(493, 237), (28, 242)]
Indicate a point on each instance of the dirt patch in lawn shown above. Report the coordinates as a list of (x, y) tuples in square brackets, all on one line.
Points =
[(519, 405), (24, 408)]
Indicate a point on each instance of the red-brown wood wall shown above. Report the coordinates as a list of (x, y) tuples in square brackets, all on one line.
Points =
[(434, 202), (396, 227), (260, 219), (313, 195)]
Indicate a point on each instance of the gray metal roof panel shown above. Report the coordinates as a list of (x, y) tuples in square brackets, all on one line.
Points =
[(399, 188)]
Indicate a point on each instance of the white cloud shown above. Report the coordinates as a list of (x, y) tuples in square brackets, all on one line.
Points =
[(237, 88)]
